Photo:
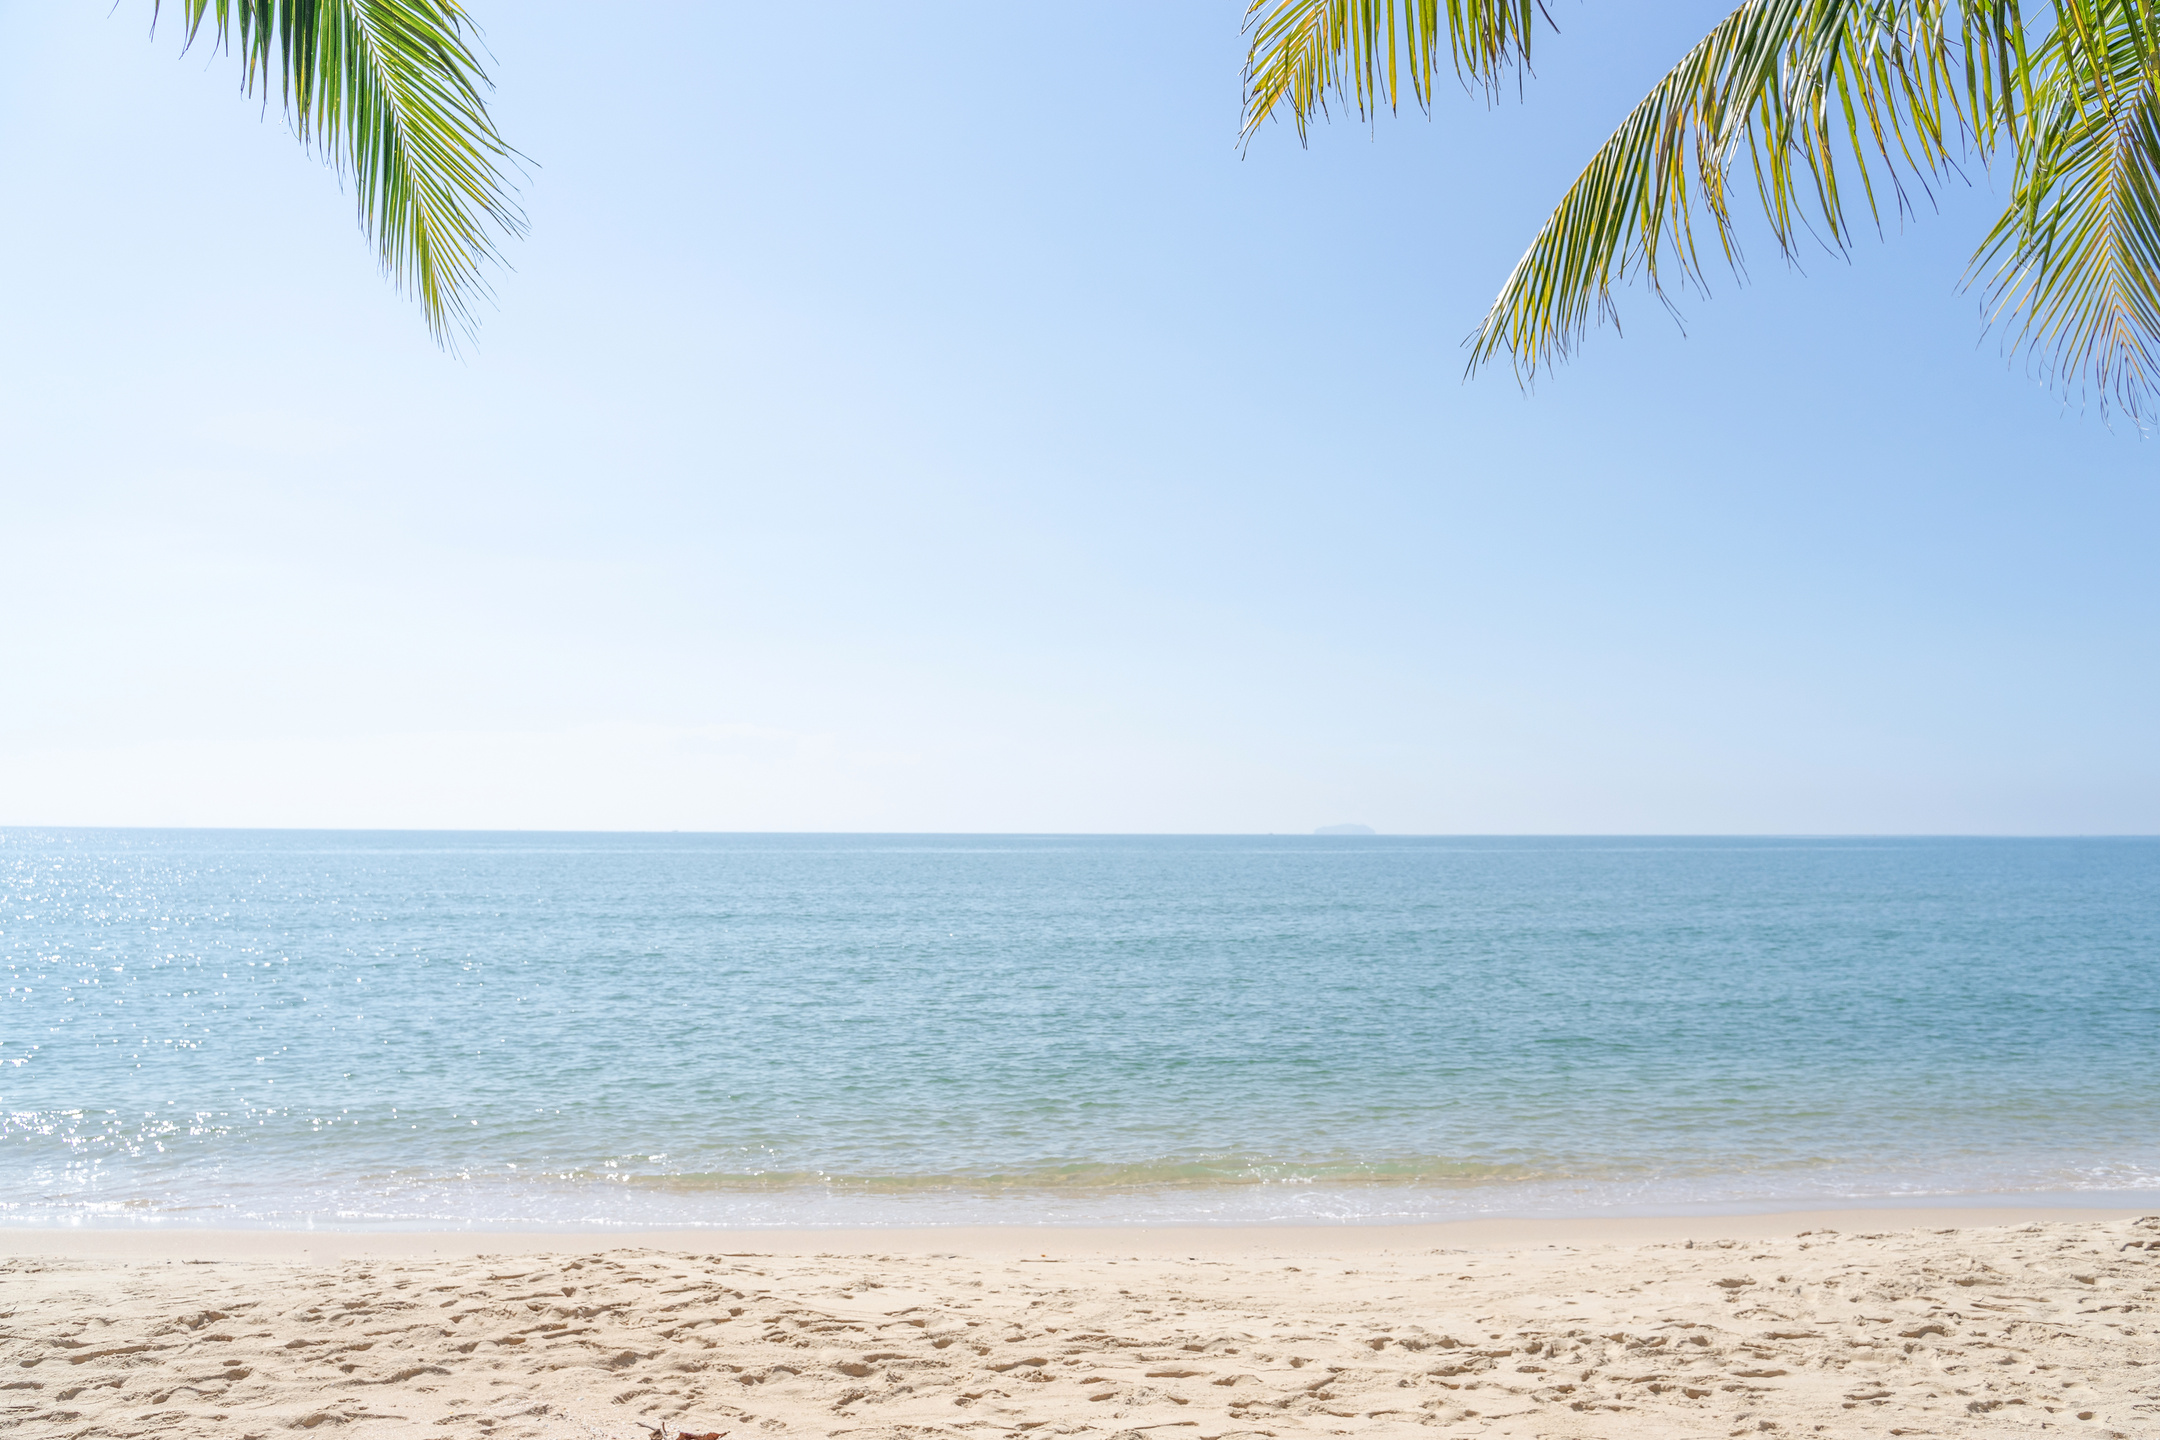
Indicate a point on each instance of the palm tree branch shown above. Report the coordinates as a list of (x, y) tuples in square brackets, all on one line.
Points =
[(1806, 90), (2077, 251), (1365, 53), (394, 91)]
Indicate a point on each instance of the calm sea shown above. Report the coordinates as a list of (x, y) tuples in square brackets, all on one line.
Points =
[(361, 1029)]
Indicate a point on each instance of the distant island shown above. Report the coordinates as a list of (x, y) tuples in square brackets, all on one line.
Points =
[(1346, 830)]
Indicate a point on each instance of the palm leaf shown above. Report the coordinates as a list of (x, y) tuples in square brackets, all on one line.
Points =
[(2078, 250), (1816, 93), (394, 90), (1364, 52)]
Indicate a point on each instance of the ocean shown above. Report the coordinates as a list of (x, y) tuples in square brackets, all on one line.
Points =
[(565, 1031)]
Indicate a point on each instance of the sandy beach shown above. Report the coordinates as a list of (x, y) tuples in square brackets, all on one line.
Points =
[(1898, 1322)]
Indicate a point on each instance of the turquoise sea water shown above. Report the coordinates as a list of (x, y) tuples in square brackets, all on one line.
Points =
[(557, 1030)]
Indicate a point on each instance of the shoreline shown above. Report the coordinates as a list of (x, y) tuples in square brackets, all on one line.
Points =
[(211, 1243)]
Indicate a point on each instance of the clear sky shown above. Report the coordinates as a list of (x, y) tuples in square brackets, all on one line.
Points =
[(920, 417)]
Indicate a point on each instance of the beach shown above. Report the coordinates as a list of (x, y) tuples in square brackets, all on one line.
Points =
[(1844, 1322), (573, 1136)]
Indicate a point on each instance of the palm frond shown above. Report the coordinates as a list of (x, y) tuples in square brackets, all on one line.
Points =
[(1815, 93), (393, 90), (1364, 53), (2078, 249)]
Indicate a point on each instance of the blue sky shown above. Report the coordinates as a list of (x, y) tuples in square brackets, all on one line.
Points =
[(923, 418)]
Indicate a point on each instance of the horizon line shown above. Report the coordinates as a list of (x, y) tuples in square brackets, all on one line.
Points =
[(1125, 834)]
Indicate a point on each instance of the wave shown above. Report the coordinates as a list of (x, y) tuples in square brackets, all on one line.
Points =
[(1106, 1177)]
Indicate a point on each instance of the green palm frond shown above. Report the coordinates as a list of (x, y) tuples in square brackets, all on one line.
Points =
[(394, 91), (1815, 93), (1837, 106), (2078, 250), (1365, 52)]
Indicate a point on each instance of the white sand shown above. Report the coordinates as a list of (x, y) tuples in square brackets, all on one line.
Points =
[(1951, 1323)]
